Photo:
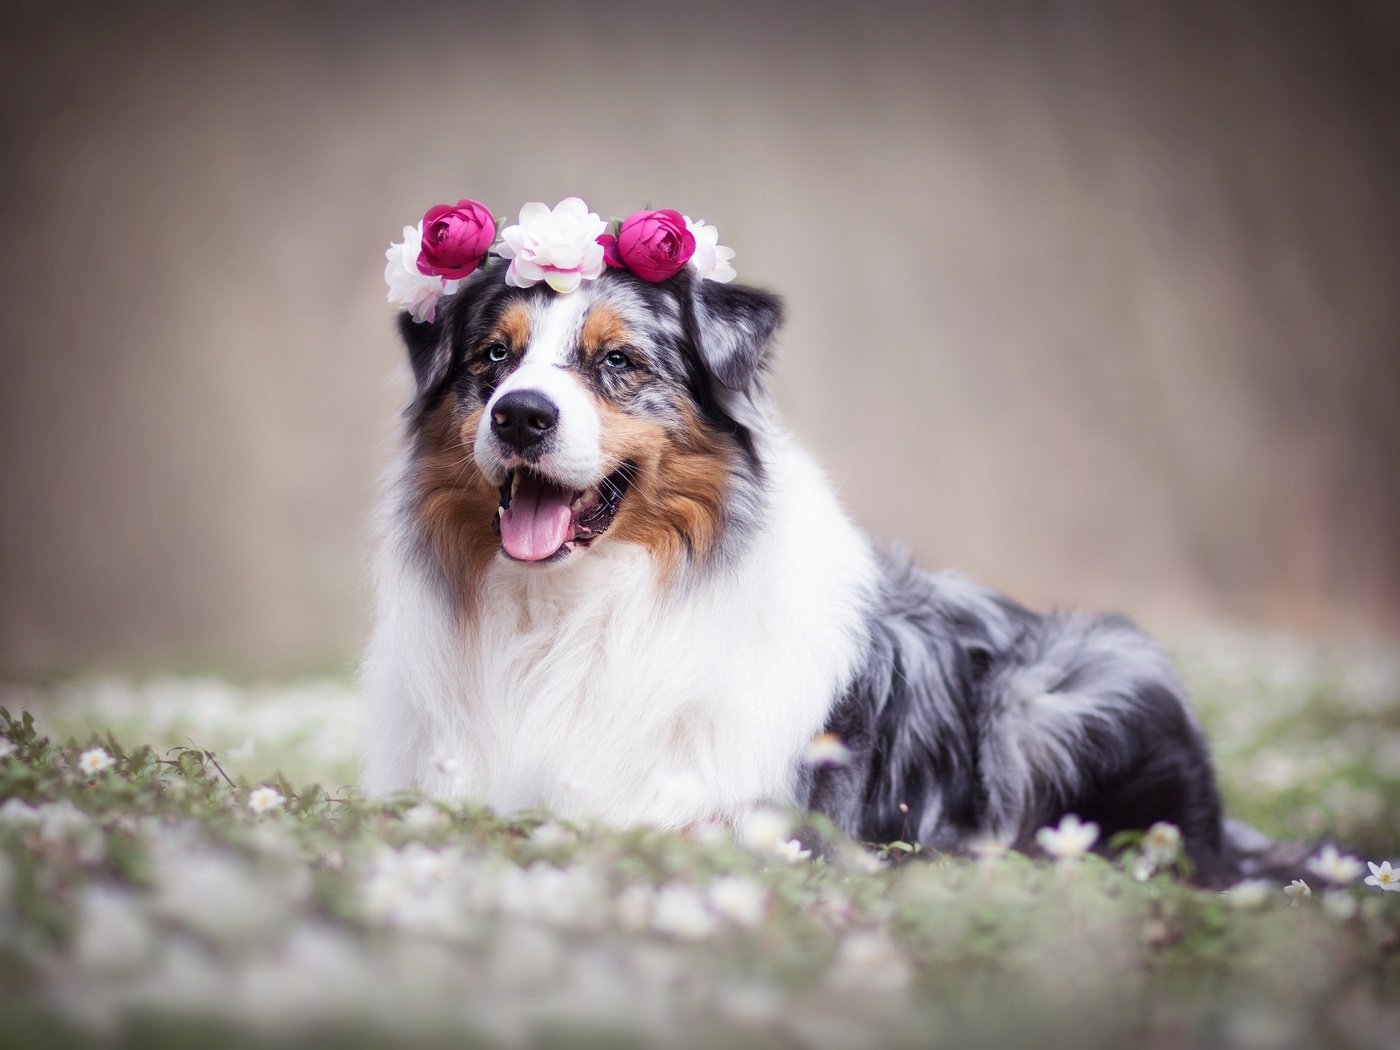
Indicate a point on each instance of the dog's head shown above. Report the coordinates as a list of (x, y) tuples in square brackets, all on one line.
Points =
[(546, 424)]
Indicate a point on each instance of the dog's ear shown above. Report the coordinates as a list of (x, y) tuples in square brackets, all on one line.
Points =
[(429, 352), (732, 328)]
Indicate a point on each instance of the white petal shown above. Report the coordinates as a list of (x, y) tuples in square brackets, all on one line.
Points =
[(562, 282)]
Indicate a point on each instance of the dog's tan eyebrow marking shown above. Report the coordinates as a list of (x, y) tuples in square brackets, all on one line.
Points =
[(603, 327), (513, 327)]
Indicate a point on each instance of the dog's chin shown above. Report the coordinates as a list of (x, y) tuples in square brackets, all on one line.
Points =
[(542, 522)]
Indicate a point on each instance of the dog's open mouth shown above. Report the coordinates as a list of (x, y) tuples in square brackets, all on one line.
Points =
[(539, 520)]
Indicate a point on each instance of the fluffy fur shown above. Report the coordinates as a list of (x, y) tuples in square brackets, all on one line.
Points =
[(715, 608)]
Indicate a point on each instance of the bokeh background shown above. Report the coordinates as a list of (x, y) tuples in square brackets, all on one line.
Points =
[(1097, 302)]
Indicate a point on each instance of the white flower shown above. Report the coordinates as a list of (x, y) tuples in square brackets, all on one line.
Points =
[(220, 895), (559, 246), (1341, 906), (1297, 891), (711, 260), (111, 930), (1383, 877), (1070, 840), (7, 747), (633, 907), (15, 812), (551, 835), (826, 750), (1332, 866), (681, 912), (1162, 844), (791, 851), (738, 899), (1143, 868), (764, 828), (424, 818), (1250, 894), (418, 293), (265, 800), (870, 961), (64, 824), (413, 888), (94, 761)]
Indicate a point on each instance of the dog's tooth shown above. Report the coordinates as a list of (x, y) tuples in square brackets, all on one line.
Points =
[(514, 483)]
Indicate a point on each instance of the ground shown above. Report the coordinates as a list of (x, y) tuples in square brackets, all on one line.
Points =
[(170, 873)]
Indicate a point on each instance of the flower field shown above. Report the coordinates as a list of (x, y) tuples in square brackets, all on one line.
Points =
[(172, 874)]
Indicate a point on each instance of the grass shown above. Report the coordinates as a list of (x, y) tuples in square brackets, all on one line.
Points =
[(150, 905)]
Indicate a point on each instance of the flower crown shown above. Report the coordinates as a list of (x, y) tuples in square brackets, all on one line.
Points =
[(563, 247)]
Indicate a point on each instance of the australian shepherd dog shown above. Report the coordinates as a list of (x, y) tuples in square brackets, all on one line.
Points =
[(612, 586)]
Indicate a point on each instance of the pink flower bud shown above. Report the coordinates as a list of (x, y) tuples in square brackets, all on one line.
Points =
[(655, 245), (455, 239)]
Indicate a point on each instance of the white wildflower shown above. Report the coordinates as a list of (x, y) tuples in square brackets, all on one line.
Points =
[(633, 907), (413, 888), (827, 749), (112, 933), (7, 747), (1297, 891), (1250, 894), (1070, 840), (544, 893), (15, 812), (1332, 866), (1341, 906), (681, 912), (1143, 868), (751, 1004), (1383, 876), (424, 818), (764, 828), (220, 895), (94, 761), (62, 823), (870, 961), (551, 835), (1162, 844), (791, 851), (738, 899), (265, 799)]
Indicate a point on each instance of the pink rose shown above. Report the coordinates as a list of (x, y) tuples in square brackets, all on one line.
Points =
[(654, 245), (455, 239)]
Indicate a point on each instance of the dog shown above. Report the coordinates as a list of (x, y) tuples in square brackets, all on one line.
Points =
[(610, 585)]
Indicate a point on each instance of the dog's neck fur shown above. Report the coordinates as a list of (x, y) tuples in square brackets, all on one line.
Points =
[(600, 688)]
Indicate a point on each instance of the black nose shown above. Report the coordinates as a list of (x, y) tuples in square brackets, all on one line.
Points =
[(523, 418)]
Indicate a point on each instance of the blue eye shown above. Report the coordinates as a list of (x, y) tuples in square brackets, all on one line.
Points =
[(496, 353), (617, 359)]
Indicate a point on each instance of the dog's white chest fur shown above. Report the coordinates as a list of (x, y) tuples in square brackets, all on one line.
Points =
[(597, 691)]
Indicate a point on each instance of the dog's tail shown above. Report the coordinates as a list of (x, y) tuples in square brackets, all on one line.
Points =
[(1250, 854)]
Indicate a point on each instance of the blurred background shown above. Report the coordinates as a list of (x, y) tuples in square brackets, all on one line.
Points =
[(1097, 302)]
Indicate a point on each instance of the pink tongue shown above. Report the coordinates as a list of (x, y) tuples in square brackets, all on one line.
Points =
[(538, 521)]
